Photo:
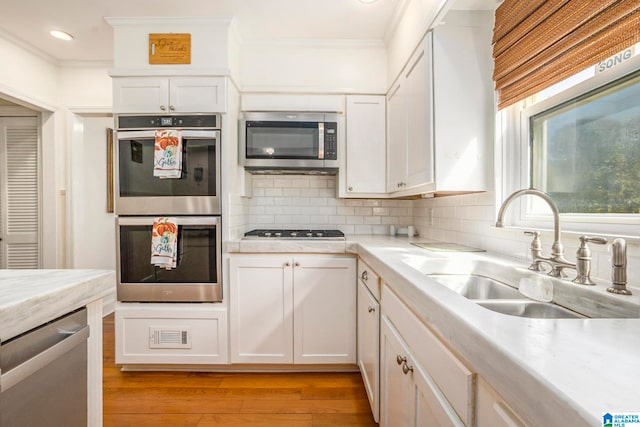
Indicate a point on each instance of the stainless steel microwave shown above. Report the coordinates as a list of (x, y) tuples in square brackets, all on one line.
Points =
[(289, 141)]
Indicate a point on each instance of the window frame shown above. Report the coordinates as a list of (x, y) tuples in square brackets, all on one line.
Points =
[(513, 154)]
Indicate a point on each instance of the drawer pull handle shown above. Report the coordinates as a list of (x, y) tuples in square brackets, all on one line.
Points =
[(364, 276), (297, 264), (287, 264), (401, 359), (371, 309)]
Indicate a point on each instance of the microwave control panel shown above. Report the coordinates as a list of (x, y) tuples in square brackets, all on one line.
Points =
[(331, 141)]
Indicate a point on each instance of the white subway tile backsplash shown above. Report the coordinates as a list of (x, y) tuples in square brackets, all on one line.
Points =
[(307, 201), (310, 201)]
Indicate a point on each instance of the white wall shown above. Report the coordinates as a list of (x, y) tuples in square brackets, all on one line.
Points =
[(27, 77), (313, 66), (209, 43), (85, 88), (92, 228)]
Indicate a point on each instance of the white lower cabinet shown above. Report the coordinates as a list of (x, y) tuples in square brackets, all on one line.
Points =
[(292, 309), (369, 341), (170, 333), (421, 382), (492, 410)]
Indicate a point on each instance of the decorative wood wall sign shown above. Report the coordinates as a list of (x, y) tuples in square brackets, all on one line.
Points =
[(170, 48)]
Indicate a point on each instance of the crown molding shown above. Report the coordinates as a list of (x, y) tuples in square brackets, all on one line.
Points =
[(28, 47)]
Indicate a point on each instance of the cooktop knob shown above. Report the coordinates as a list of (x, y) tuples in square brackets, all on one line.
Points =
[(294, 234), (309, 234), (278, 234), (267, 234)]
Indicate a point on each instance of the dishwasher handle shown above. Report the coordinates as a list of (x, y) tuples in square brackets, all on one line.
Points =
[(39, 361)]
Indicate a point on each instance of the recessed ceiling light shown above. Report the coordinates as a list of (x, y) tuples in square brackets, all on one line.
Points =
[(61, 35)]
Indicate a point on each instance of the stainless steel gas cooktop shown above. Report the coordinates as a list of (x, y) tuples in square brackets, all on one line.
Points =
[(295, 234)]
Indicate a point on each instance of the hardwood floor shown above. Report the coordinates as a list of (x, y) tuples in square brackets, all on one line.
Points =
[(195, 399)]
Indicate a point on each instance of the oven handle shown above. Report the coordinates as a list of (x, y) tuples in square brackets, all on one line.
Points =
[(191, 134), (182, 220)]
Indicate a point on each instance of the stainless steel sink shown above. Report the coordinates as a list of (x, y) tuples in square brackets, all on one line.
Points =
[(531, 309), (476, 287)]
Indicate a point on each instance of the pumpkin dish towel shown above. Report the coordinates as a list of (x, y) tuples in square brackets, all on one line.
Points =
[(167, 153), (164, 242)]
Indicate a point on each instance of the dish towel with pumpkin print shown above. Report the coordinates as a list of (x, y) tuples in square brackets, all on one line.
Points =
[(167, 153), (164, 242)]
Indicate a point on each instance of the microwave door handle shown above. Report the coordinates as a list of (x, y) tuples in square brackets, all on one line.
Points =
[(321, 141)]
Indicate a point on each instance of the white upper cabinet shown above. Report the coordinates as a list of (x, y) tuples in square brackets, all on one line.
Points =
[(363, 170), (440, 112), (396, 137), (169, 94), (463, 102), (410, 153), (419, 98)]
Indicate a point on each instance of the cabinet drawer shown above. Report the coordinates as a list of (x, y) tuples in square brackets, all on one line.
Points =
[(369, 278), (452, 377), (492, 410)]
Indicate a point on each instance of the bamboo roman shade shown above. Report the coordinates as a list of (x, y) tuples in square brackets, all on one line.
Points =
[(537, 43)]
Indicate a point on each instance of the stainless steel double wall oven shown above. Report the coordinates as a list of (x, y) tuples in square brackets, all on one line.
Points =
[(193, 198)]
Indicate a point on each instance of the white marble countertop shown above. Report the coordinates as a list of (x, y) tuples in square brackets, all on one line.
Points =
[(30, 298), (552, 372)]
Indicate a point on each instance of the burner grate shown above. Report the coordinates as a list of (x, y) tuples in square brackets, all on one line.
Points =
[(311, 234)]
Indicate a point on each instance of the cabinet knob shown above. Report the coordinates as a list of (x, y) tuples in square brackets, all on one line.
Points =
[(287, 264), (350, 188), (401, 359), (364, 276), (371, 309), (407, 368), (172, 108), (296, 264), (162, 107)]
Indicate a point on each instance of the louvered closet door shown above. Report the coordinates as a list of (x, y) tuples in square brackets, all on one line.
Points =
[(19, 198)]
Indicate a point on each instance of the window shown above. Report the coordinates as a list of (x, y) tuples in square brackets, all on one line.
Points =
[(579, 141), (585, 153)]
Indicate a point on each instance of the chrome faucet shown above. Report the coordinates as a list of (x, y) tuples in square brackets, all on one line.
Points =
[(557, 259)]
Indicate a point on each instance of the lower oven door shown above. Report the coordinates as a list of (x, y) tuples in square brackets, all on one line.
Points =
[(196, 277)]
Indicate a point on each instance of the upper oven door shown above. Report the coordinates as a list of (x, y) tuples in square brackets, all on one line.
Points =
[(196, 192)]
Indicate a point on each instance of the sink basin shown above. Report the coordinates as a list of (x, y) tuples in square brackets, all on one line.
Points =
[(472, 286), (532, 309)]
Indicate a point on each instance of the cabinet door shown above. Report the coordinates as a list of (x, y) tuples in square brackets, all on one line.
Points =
[(197, 94), (366, 154), (419, 99), (261, 304), (369, 345), (396, 138), (396, 389), (140, 94), (324, 309), (408, 396)]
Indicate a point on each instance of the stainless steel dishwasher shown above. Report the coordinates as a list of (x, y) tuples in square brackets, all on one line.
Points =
[(43, 375)]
